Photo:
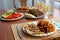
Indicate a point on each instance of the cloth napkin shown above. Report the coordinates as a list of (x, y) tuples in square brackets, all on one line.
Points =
[(57, 25)]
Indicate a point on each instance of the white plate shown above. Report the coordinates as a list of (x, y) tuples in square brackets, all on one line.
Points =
[(34, 17), (45, 34), (12, 19)]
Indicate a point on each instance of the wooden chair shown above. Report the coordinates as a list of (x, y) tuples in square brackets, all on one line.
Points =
[(14, 4), (32, 2), (23, 3)]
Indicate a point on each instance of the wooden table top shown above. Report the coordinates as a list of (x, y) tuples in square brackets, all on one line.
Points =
[(5, 29)]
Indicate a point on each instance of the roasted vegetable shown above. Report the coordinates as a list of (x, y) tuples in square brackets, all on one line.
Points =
[(7, 14), (35, 12)]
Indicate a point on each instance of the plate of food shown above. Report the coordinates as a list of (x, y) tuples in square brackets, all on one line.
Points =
[(34, 13), (39, 28), (22, 9), (11, 15)]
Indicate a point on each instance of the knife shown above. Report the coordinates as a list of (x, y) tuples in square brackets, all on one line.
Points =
[(18, 31)]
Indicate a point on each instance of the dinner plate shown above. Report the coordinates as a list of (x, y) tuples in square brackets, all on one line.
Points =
[(27, 15), (41, 34), (12, 19), (34, 17)]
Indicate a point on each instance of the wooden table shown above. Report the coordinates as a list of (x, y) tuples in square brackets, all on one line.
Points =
[(5, 29)]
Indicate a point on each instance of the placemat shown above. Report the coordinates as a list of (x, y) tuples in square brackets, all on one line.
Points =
[(29, 37)]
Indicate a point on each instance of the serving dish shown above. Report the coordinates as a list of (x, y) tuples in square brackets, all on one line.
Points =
[(40, 34), (32, 17), (11, 19), (22, 9), (34, 13), (30, 12), (11, 15)]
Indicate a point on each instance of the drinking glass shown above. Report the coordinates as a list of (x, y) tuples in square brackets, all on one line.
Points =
[(39, 4), (48, 8), (57, 10)]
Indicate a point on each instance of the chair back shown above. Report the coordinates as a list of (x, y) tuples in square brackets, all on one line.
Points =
[(23, 3), (14, 4)]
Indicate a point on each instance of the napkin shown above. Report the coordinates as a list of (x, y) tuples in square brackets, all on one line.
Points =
[(57, 25)]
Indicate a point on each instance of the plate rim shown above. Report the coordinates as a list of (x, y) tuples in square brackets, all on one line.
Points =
[(35, 17), (12, 19), (46, 34)]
